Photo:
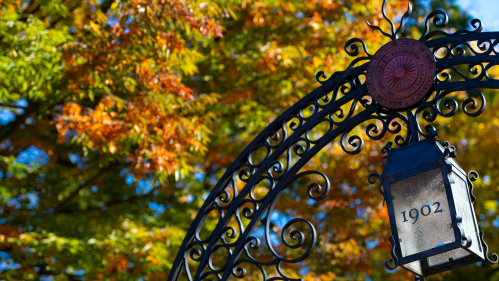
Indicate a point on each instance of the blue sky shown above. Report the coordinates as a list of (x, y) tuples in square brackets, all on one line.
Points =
[(485, 10)]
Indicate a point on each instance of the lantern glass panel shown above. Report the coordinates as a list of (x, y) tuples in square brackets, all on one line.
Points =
[(465, 210), (414, 266), (444, 257), (422, 212)]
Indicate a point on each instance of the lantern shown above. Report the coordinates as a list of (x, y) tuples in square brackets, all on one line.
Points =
[(433, 223)]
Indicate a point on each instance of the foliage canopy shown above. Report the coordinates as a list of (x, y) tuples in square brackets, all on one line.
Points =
[(118, 117)]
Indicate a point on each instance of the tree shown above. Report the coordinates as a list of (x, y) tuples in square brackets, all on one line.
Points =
[(121, 115)]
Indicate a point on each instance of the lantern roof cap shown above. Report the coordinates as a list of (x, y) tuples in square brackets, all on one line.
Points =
[(413, 156)]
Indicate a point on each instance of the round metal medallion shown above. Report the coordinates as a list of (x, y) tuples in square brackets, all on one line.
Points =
[(401, 73)]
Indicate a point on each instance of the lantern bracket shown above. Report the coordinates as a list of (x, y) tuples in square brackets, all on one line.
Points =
[(387, 149), (471, 177), (431, 131), (486, 251), (450, 176), (394, 258), (450, 151), (372, 181), (465, 240)]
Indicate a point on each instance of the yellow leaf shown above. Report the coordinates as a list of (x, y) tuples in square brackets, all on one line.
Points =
[(95, 26), (490, 205), (101, 17), (231, 12), (112, 147)]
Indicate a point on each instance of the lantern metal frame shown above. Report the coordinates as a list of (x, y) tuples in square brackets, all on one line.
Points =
[(436, 157), (343, 102)]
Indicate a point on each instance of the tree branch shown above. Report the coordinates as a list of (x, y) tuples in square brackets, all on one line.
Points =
[(106, 6), (43, 271), (13, 106), (30, 10), (345, 239), (55, 21), (110, 203), (61, 205), (14, 125)]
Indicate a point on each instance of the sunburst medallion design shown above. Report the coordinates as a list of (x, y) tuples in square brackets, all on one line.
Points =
[(401, 73)]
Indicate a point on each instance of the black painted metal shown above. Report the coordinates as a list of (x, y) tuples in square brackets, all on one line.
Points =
[(425, 156), (288, 136)]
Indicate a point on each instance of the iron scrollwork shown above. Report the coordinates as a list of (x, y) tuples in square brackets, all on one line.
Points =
[(343, 103), (394, 258), (495, 257), (465, 240), (470, 178), (372, 178), (394, 34)]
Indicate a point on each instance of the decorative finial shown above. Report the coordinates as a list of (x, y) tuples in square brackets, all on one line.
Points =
[(395, 33)]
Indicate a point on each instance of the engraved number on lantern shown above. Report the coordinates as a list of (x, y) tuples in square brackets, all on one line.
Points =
[(429, 210), (415, 218), (438, 206), (425, 211)]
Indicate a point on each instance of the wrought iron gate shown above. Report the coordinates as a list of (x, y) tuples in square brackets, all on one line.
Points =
[(472, 48)]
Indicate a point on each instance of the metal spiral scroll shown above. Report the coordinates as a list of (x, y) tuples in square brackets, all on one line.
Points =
[(343, 103), (394, 258), (372, 178), (495, 257), (470, 178)]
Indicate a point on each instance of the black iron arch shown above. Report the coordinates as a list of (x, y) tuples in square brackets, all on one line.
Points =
[(343, 102)]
